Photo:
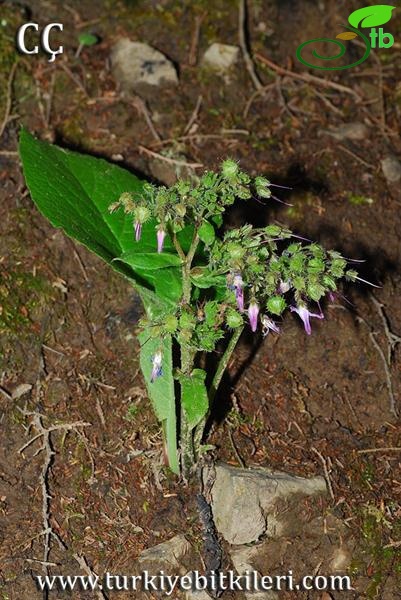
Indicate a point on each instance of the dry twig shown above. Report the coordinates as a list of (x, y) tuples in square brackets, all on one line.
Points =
[(141, 106), (83, 563), (325, 471), (308, 78), (244, 48), (167, 159), (386, 366), (192, 59), (194, 115), (9, 99)]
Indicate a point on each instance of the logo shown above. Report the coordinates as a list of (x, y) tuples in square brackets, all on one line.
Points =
[(370, 17)]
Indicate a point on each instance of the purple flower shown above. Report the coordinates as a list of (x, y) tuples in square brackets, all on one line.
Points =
[(161, 234), (239, 291), (305, 315), (156, 366), (268, 324), (253, 312), (138, 230)]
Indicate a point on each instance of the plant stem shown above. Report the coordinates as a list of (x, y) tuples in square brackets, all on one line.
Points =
[(221, 367), (186, 438)]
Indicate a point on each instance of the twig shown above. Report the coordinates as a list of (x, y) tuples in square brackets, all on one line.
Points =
[(140, 105), (193, 51), (242, 42), (326, 472), (392, 338), (357, 158), (194, 115), (8, 153), (385, 364), (202, 136), (234, 447), (41, 429), (371, 450), (308, 78), (75, 79), (260, 92), (83, 563), (5, 393), (167, 159), (9, 99), (328, 103)]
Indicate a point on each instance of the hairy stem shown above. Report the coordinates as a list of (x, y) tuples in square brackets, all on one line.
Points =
[(186, 438), (221, 367)]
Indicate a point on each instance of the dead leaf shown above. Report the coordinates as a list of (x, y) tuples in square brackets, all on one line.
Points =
[(347, 35)]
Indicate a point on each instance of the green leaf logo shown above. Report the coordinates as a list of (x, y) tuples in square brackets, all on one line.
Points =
[(371, 16)]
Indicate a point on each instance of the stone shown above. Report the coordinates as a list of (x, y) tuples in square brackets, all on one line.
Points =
[(391, 168), (349, 131), (170, 556), (249, 503), (135, 63), (220, 57)]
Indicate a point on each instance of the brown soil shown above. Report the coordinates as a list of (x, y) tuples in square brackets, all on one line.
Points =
[(68, 324)]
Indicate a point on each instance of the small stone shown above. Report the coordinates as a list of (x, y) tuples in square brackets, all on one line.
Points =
[(349, 131), (245, 502), (243, 558), (391, 168), (135, 63), (168, 556), (20, 390), (220, 57), (197, 595)]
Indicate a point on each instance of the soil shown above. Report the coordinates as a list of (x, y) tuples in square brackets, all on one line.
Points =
[(307, 405)]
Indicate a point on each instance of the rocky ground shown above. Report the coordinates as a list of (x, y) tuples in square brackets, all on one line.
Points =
[(167, 90)]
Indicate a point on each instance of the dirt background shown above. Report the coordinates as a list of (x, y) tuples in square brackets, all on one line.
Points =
[(68, 349)]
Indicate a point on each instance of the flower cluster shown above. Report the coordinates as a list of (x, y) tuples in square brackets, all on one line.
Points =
[(229, 277)]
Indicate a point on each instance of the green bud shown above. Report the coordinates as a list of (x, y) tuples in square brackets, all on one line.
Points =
[(316, 265), (235, 251), (261, 182), (233, 319), (243, 192), (263, 192), (298, 284), (229, 169), (141, 214), (171, 324), (206, 233), (297, 262), (180, 209), (276, 305), (273, 230), (187, 321), (315, 291), (329, 283), (155, 331)]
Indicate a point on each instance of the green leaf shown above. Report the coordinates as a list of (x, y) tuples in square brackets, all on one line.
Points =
[(201, 277), (194, 398), (371, 16), (206, 233), (87, 39), (74, 192), (149, 260), (161, 391)]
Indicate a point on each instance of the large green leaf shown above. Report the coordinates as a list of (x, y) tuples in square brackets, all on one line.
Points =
[(194, 398), (161, 390), (371, 16), (74, 191)]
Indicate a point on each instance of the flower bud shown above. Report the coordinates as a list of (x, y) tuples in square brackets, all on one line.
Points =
[(233, 319), (229, 169), (161, 234)]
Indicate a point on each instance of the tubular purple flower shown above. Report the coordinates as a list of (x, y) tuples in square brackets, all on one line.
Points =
[(305, 315), (138, 230), (268, 324), (253, 312), (161, 234), (239, 291), (156, 366)]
